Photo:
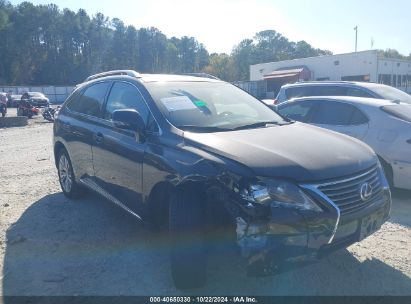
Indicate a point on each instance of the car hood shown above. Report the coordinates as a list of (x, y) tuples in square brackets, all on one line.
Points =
[(297, 151)]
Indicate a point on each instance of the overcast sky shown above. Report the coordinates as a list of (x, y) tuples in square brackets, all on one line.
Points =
[(220, 24)]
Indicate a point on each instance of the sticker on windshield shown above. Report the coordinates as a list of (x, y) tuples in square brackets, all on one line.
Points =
[(178, 103), (200, 103)]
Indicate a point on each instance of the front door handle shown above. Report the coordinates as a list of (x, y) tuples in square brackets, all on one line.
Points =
[(99, 137), (66, 126)]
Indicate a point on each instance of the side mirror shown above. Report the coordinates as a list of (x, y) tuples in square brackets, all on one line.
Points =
[(129, 119)]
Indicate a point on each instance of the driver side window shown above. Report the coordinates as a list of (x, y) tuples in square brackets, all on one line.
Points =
[(126, 96)]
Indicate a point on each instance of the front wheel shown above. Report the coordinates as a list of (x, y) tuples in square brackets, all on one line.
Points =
[(66, 176), (186, 225)]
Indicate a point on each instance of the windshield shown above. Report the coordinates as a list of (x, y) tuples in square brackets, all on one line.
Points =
[(210, 106), (390, 93)]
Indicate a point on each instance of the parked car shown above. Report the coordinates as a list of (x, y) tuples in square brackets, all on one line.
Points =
[(383, 125), (36, 99), (196, 154), (14, 101), (341, 88), (3, 104)]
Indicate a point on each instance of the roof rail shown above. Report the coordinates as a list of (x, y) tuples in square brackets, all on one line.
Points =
[(327, 81), (130, 73), (203, 75)]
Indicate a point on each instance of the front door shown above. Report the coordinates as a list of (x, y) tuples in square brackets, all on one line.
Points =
[(118, 154)]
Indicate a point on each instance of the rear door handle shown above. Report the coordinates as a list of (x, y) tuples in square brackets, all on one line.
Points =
[(99, 137)]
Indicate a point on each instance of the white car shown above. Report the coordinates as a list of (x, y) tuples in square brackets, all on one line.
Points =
[(383, 125)]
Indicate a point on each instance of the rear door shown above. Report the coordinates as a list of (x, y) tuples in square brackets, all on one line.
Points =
[(76, 124), (340, 117)]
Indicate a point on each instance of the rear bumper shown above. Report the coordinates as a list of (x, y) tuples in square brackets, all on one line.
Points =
[(292, 238)]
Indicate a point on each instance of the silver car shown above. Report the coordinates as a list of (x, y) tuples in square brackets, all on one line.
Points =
[(341, 88), (385, 126)]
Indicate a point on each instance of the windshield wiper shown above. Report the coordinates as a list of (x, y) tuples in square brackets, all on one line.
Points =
[(202, 129), (262, 124)]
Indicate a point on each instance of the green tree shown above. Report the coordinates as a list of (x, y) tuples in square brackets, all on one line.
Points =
[(41, 44), (221, 66)]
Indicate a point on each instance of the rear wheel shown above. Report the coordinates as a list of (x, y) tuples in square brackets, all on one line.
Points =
[(68, 183), (186, 225)]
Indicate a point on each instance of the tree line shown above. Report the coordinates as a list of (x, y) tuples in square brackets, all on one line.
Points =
[(41, 44)]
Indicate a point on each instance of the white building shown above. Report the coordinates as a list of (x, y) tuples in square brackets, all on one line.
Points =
[(359, 66)]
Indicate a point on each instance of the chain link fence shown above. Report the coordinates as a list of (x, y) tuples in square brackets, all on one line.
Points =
[(56, 94)]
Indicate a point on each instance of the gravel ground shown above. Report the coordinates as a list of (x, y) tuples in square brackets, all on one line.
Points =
[(50, 245)]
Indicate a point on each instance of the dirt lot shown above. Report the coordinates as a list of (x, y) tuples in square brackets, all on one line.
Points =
[(50, 245)]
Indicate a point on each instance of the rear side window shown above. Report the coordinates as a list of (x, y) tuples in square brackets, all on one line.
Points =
[(337, 113), (302, 91), (317, 90), (91, 101), (358, 93), (358, 117), (330, 91)]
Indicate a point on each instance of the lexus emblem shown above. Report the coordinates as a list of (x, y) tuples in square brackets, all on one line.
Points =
[(366, 191)]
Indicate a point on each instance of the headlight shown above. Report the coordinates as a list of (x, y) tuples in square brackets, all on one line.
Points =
[(278, 192)]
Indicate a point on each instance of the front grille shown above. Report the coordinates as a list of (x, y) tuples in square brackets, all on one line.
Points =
[(346, 193)]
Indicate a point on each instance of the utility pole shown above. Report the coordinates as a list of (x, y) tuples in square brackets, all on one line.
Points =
[(356, 38)]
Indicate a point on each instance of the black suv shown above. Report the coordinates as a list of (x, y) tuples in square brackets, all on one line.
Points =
[(201, 157)]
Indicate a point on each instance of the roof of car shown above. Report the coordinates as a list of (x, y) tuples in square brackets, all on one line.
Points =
[(327, 83), (375, 102), (116, 74), (175, 78)]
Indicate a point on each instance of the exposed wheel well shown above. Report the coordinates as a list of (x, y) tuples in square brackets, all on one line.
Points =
[(158, 202)]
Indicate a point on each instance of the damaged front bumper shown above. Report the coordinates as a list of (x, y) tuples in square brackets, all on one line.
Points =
[(292, 237)]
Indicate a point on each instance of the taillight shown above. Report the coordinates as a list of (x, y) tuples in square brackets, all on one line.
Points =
[(275, 101)]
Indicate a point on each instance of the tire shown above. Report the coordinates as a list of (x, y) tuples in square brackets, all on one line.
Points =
[(69, 186), (186, 229)]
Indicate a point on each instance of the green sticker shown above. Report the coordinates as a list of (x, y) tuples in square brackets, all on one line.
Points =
[(200, 103)]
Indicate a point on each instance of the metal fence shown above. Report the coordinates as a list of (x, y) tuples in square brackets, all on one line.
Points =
[(256, 88), (56, 94)]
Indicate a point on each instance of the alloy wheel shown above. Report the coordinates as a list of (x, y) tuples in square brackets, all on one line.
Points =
[(66, 178)]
